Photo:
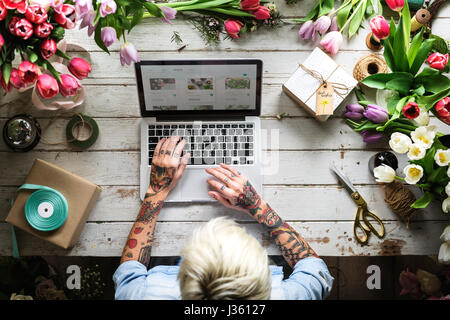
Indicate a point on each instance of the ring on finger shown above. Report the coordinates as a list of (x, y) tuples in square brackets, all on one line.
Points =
[(222, 187), (168, 152), (226, 180)]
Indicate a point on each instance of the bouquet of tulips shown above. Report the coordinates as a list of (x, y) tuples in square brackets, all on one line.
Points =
[(110, 20), (32, 28), (414, 92)]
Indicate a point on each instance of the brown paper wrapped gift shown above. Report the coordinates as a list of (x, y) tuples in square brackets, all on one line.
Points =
[(80, 194)]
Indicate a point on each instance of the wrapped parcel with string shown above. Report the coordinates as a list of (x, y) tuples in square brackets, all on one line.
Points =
[(319, 85)]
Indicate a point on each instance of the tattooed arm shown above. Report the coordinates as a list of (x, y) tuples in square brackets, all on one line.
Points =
[(235, 191), (167, 169)]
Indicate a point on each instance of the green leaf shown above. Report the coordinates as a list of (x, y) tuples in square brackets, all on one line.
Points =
[(420, 91), (439, 45), (429, 101), (137, 17), (392, 103), (6, 72), (400, 58), (312, 14), (61, 54), (343, 14), (156, 11), (402, 85), (424, 201), (379, 80), (435, 83), (406, 19), (325, 7), (415, 46), (422, 54), (54, 72), (357, 18)]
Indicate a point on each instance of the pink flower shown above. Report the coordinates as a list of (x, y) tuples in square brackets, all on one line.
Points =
[(107, 7), (334, 25), (262, 13), (128, 54), (249, 5), (66, 18), (19, 5), (233, 27), (80, 68), (442, 109), (47, 86), (48, 48), (322, 24), (28, 72), (12, 25), (411, 110), (24, 29), (3, 11), (57, 5), (307, 31), (332, 42), (169, 14), (36, 14), (43, 30), (379, 27), (108, 35), (438, 60), (395, 5), (83, 7), (2, 42), (15, 80), (69, 86)]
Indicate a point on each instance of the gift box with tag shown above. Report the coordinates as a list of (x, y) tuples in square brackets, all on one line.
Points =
[(319, 85)]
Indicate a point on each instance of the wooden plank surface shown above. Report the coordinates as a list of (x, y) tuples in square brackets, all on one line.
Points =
[(303, 190)]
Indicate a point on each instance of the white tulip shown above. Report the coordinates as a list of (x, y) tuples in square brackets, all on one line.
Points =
[(413, 173), (442, 157), (424, 136), (447, 189), (416, 152), (423, 119), (444, 253), (445, 236), (384, 174), (400, 142), (448, 172), (446, 205)]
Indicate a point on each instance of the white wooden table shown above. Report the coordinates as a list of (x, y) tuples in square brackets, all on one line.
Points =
[(304, 192)]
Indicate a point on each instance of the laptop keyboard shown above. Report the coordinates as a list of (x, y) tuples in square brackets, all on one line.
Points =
[(209, 143)]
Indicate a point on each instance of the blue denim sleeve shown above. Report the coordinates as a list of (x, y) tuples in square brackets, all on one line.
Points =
[(129, 280), (310, 280)]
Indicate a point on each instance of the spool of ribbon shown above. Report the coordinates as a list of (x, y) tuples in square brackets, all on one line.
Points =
[(421, 17), (368, 65), (45, 210)]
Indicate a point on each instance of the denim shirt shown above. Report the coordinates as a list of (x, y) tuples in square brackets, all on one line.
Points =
[(310, 280)]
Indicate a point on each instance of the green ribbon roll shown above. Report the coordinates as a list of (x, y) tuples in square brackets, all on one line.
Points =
[(45, 210), (83, 120)]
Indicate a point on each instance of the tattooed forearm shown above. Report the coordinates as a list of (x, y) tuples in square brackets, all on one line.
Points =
[(144, 255), (249, 199), (149, 211), (160, 179)]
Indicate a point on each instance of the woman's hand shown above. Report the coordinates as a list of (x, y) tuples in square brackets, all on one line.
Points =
[(167, 166), (233, 190)]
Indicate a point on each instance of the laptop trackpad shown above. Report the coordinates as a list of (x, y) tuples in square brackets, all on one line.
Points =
[(194, 185)]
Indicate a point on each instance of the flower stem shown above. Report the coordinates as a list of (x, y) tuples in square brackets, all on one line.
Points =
[(351, 17)]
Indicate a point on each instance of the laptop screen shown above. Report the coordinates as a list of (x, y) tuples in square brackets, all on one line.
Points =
[(199, 86)]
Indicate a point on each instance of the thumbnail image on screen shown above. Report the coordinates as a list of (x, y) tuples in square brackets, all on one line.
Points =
[(162, 84)]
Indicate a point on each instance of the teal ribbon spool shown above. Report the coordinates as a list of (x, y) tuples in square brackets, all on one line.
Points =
[(45, 210), (412, 4)]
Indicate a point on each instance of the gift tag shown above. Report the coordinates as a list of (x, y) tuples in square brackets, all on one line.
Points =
[(324, 99)]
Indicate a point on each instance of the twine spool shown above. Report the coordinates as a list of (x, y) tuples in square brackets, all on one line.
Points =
[(399, 198), (421, 17), (369, 65)]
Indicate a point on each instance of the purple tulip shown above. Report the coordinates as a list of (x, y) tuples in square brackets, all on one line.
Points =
[(307, 31), (128, 54), (107, 7), (322, 24), (169, 14), (109, 36), (334, 25), (83, 7), (354, 111), (376, 114), (372, 136)]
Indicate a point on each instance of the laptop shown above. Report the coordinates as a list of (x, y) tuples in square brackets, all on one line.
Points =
[(214, 105)]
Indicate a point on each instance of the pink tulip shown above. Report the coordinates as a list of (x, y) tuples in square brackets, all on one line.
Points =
[(12, 25), (332, 42), (108, 36), (83, 7), (322, 24), (334, 24), (443, 110), (107, 7), (169, 14), (3, 11), (233, 27), (438, 60), (43, 30), (24, 29), (47, 86), (19, 5), (307, 31), (2, 42), (249, 5), (69, 86), (379, 27), (36, 14), (128, 54), (57, 5), (66, 18), (28, 72), (48, 48), (80, 68), (15, 80), (262, 13), (395, 5)]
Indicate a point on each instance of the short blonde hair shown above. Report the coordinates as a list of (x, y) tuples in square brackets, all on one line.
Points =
[(222, 261)]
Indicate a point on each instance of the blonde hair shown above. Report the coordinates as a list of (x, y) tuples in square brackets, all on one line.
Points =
[(222, 261)]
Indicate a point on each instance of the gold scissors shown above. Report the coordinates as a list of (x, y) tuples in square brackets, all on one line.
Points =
[(362, 213)]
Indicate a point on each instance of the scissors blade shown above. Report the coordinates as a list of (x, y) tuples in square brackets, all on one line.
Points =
[(347, 184)]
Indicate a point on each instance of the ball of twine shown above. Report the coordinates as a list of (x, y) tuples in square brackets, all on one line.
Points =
[(399, 198), (369, 65)]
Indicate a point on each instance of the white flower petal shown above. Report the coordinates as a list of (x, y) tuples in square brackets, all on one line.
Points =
[(444, 253), (413, 173), (400, 142), (445, 236), (384, 174), (416, 152)]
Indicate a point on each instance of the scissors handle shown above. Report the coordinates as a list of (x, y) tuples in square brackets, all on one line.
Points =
[(358, 225), (367, 213)]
